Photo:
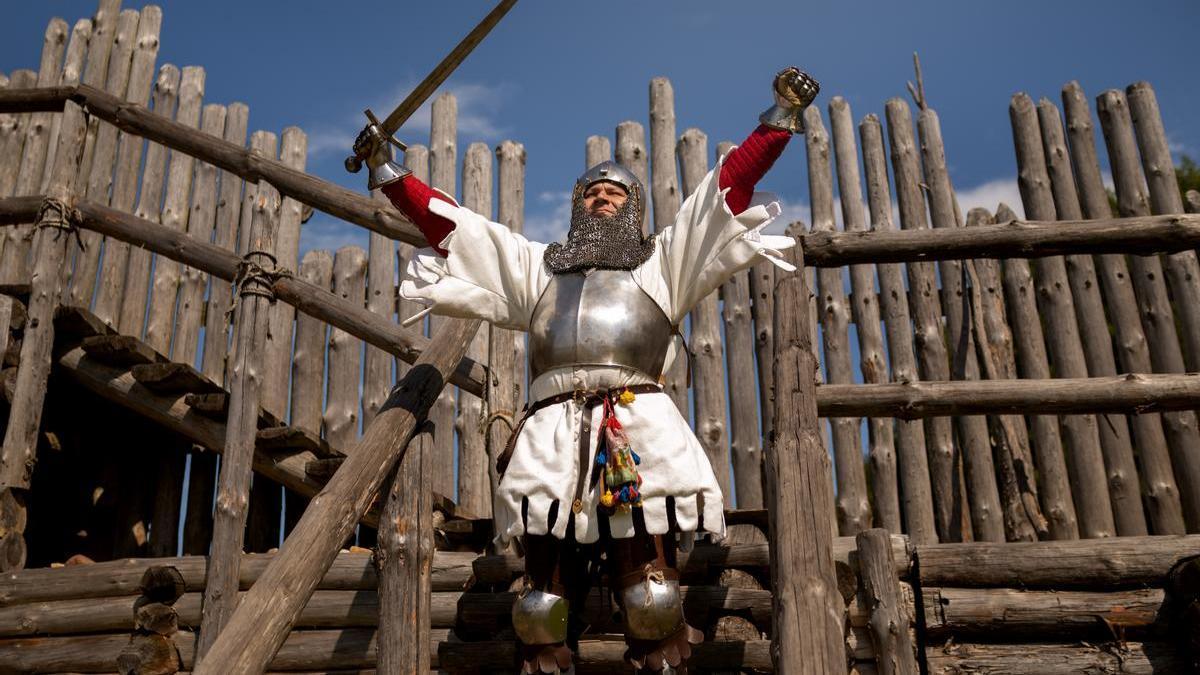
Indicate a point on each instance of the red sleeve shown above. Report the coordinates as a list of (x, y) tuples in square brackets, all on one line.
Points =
[(412, 197), (748, 163)]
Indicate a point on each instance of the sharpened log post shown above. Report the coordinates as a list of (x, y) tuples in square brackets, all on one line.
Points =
[(631, 154), (665, 191), (1032, 363), (807, 608), (506, 348), (1161, 494), (987, 524), (54, 232), (926, 305), (708, 366), (404, 562), (1116, 446), (474, 485), (865, 308), (853, 508), (443, 158), (245, 388), (1063, 340), (916, 502), (258, 628), (598, 149), (880, 594)]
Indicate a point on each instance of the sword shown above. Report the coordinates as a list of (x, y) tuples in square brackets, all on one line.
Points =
[(432, 81)]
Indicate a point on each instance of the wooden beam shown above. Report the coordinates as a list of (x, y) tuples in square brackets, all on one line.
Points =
[(1055, 659), (1132, 393), (260, 625), (1094, 563), (808, 609), (221, 263), (1018, 613), (880, 594)]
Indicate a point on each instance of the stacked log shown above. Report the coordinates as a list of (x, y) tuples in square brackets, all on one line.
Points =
[(151, 648)]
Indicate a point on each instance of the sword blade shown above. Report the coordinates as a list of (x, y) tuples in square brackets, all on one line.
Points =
[(439, 74)]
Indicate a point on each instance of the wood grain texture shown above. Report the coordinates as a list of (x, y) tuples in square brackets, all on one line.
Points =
[(631, 153), (597, 149), (880, 595), (443, 174), (342, 400)]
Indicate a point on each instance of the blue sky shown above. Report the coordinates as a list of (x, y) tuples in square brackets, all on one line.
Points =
[(553, 73)]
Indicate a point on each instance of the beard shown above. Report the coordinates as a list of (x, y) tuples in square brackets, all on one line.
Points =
[(602, 242)]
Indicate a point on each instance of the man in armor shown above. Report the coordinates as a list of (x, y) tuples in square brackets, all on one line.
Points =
[(602, 473)]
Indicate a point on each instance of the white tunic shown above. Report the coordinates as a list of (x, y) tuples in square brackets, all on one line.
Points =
[(494, 274)]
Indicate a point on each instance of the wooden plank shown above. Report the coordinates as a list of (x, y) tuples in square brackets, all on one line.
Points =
[(111, 285), (14, 260), (1100, 563), (631, 153), (341, 415), (277, 439), (1116, 446), (216, 325), (506, 348), (416, 159), (1054, 659), (853, 508), (707, 359), (664, 190), (404, 563), (119, 350), (260, 625), (1161, 493), (807, 616), (133, 295), (926, 306), (1032, 363), (881, 452), (980, 488), (97, 179), (598, 149), (1057, 307), (233, 482), (474, 485), (13, 125), (19, 453), (381, 300), (443, 158), (880, 595), (916, 503), (167, 273), (95, 73), (172, 378), (193, 282)]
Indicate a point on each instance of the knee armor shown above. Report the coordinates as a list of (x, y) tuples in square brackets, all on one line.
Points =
[(539, 617), (653, 608)]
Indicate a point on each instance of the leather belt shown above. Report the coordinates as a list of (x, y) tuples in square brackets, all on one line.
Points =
[(588, 400)]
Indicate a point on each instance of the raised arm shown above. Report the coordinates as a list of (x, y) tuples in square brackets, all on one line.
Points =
[(751, 160), (405, 190)]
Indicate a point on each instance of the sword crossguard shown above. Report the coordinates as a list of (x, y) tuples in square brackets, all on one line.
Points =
[(354, 163)]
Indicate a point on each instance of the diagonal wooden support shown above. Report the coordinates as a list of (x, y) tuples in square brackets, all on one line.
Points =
[(247, 380), (55, 224), (808, 610), (261, 622)]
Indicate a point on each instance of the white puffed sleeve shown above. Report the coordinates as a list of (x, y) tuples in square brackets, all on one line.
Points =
[(489, 273), (707, 245)]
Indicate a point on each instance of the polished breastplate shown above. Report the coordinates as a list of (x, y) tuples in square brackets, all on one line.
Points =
[(602, 318)]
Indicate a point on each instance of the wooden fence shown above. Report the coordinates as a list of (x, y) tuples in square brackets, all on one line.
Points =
[(919, 469)]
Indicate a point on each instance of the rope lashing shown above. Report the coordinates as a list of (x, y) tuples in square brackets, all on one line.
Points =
[(254, 278), (58, 215)]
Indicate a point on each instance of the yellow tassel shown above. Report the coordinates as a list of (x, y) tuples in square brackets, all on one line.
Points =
[(626, 397), (607, 499)]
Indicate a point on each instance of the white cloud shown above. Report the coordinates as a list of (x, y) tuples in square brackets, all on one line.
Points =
[(329, 233), (988, 195), (548, 218), (476, 105)]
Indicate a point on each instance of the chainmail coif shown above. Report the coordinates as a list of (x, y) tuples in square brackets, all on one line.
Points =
[(602, 242)]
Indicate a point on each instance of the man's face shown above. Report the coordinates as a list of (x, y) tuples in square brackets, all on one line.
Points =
[(604, 199)]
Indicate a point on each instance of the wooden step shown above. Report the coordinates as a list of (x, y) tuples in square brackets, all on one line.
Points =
[(284, 438), (215, 405), (78, 323), (173, 378), (120, 350)]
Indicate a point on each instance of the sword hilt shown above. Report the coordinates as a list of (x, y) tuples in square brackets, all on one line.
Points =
[(354, 162)]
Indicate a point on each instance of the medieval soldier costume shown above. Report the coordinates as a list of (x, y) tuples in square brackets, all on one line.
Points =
[(602, 474)]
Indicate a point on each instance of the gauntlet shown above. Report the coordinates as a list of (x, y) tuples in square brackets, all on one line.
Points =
[(794, 90)]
